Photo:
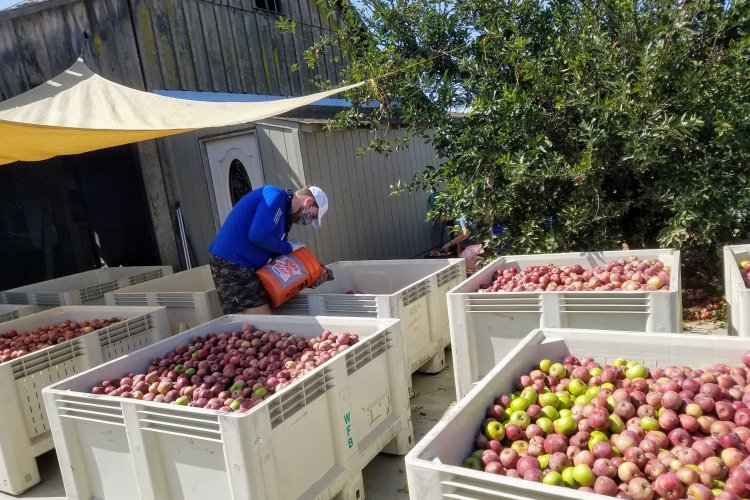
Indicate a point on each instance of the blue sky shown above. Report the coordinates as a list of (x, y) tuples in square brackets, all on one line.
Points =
[(7, 3)]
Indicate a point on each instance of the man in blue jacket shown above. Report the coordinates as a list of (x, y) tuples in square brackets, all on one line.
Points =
[(255, 232)]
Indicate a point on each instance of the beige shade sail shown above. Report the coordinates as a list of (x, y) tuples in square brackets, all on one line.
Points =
[(80, 111)]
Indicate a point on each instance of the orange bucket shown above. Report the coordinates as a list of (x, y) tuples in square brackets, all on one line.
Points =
[(286, 276)]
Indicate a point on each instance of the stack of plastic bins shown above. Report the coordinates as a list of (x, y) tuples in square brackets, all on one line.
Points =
[(189, 296), (737, 294), (86, 288), (25, 432), (433, 467), (309, 440), (486, 326), (410, 290), (9, 312)]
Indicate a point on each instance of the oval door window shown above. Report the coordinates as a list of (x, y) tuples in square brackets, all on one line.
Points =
[(239, 182)]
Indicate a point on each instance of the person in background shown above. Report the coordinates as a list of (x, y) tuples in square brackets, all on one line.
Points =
[(460, 241), (254, 232)]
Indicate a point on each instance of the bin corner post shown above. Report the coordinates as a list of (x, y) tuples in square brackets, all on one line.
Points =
[(92, 347), (400, 382), (249, 454), (146, 461), (18, 469), (551, 316), (458, 319), (345, 446), (159, 321)]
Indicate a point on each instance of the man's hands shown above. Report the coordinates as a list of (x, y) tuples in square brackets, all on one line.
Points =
[(296, 244), (326, 276), (447, 246)]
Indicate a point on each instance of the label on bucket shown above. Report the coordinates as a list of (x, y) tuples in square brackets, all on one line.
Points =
[(285, 269)]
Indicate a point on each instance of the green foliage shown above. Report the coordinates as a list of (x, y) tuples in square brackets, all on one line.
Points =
[(586, 124)]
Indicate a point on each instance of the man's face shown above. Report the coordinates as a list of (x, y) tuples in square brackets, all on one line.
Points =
[(308, 207)]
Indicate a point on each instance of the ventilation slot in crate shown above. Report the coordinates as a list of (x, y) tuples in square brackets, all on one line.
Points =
[(125, 329), (91, 410), (503, 305), (147, 276), (416, 292), (8, 316), (607, 303), (463, 488), (297, 305), (46, 358), (175, 299), (448, 275), (51, 299), (95, 291), (298, 395), (180, 423), (130, 299), (349, 305), (18, 298), (365, 351)]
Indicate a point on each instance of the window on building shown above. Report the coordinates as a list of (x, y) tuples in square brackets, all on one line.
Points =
[(271, 5)]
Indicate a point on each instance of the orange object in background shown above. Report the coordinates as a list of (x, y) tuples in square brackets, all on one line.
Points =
[(286, 276)]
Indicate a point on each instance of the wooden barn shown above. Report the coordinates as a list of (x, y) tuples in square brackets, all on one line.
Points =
[(117, 206)]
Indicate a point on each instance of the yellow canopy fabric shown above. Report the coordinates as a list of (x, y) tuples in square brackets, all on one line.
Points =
[(80, 111)]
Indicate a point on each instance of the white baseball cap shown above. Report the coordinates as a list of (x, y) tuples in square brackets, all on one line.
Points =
[(322, 201)]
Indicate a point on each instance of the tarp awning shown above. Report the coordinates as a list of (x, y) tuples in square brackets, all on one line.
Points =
[(80, 111)]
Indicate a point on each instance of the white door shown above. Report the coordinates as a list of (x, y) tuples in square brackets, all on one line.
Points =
[(235, 169)]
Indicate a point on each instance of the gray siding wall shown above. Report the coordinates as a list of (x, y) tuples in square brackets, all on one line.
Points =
[(364, 221)]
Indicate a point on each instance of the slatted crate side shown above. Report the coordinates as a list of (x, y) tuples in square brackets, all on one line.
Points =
[(183, 452), (10, 312), (736, 293)]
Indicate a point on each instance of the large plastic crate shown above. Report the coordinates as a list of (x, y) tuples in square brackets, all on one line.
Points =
[(410, 290), (9, 312), (86, 288), (486, 326), (432, 467), (737, 294), (25, 430), (309, 440), (189, 296)]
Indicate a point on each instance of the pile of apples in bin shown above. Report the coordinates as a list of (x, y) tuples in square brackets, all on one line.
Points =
[(14, 344), (230, 372), (624, 430), (745, 272), (631, 274)]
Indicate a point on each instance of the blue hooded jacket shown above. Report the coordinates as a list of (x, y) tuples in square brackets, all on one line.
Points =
[(256, 229)]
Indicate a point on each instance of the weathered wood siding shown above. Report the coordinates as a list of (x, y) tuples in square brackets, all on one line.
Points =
[(364, 221)]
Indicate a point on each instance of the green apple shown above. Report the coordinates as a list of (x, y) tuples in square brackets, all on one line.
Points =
[(520, 418), (543, 460), (744, 264), (568, 478), (596, 436), (565, 400), (593, 391), (553, 478), (611, 403), (583, 399), (473, 463), (558, 370), (565, 412), (637, 371), (566, 426), (530, 395), (608, 385), (477, 453), (521, 447), (545, 423), (545, 365), (619, 362), (649, 423), (583, 475), (577, 387), (519, 404), (616, 425), (595, 371), (659, 411), (549, 399), (550, 412), (495, 430)]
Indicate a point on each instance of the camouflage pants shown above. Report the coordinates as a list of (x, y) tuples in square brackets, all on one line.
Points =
[(237, 286)]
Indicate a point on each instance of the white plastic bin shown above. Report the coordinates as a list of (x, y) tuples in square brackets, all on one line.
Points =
[(9, 312), (737, 294), (309, 440), (486, 326), (189, 296), (86, 288), (25, 432), (410, 290), (433, 466)]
